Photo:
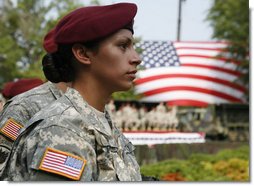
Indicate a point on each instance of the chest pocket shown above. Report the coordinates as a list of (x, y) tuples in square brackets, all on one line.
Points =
[(106, 150), (129, 156), (129, 169)]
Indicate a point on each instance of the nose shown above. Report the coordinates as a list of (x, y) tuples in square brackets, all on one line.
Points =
[(135, 58)]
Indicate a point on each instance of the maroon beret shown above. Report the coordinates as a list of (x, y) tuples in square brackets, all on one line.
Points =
[(90, 23), (14, 88), (6, 89)]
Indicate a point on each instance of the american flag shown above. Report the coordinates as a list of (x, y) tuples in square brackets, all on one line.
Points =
[(11, 129), (188, 73), (61, 163)]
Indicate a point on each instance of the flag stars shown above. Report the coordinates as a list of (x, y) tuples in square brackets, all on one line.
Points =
[(158, 54)]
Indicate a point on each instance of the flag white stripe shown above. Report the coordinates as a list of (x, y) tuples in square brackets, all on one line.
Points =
[(207, 61), (186, 70), (200, 45), (155, 138), (211, 53), (163, 135), (191, 82), (190, 95)]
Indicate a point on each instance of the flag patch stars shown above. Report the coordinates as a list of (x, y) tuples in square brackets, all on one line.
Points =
[(62, 163), (11, 129)]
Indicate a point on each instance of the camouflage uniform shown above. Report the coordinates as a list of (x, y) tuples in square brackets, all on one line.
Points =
[(19, 110), (70, 126)]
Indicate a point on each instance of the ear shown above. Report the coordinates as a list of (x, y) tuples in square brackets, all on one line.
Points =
[(81, 53)]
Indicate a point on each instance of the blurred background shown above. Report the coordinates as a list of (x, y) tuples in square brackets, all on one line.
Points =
[(188, 112)]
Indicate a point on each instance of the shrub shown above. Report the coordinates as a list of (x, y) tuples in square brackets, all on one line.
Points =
[(226, 165)]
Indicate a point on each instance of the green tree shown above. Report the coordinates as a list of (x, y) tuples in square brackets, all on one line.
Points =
[(230, 22), (23, 24)]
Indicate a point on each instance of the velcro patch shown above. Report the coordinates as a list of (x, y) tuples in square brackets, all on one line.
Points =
[(11, 129), (62, 163)]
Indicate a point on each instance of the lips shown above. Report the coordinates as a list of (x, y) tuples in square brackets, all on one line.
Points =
[(132, 72)]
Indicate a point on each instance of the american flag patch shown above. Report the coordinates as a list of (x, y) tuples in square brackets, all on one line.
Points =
[(11, 129), (62, 163)]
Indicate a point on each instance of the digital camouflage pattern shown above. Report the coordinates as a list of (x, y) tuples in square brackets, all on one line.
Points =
[(70, 125), (21, 108)]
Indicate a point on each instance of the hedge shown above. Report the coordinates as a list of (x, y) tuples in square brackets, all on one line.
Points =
[(226, 165)]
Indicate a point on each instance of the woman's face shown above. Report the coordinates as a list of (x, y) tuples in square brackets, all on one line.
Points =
[(115, 64)]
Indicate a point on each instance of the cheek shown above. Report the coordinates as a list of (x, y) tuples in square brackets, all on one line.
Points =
[(115, 65)]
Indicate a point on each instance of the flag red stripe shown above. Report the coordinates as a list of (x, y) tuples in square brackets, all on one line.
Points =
[(187, 102), (195, 89), (233, 72), (162, 76)]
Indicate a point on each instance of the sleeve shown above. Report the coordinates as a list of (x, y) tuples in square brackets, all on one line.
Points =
[(21, 113), (57, 153)]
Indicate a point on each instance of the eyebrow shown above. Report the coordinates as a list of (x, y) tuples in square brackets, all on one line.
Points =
[(129, 40)]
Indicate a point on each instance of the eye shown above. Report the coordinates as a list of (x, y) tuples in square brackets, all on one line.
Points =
[(123, 46)]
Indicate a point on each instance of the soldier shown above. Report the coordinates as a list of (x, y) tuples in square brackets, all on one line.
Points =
[(2, 102), (142, 117), (19, 86), (19, 109), (73, 138)]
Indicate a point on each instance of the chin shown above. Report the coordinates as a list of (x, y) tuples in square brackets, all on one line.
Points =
[(125, 87)]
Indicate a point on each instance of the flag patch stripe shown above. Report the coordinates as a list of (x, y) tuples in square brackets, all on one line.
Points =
[(58, 167), (62, 163), (11, 129)]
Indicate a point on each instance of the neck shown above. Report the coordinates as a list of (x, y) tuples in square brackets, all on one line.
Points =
[(92, 93), (62, 86)]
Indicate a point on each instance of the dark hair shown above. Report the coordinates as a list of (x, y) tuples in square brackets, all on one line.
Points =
[(59, 66)]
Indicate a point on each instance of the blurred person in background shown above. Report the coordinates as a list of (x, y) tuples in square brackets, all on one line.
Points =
[(2, 102), (25, 97)]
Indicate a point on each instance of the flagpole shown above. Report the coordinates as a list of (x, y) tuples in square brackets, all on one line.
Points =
[(179, 19)]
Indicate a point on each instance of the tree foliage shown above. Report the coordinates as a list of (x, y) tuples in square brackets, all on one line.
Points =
[(23, 25), (230, 22)]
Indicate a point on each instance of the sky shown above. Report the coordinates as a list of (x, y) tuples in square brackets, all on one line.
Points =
[(157, 19)]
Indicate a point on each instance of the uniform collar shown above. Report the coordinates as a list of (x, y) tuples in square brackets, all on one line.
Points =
[(55, 91), (85, 110)]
